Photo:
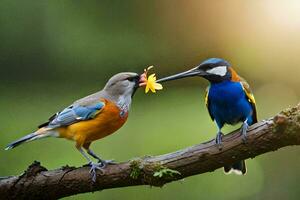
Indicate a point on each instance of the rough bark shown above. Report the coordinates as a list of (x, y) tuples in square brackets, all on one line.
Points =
[(268, 135)]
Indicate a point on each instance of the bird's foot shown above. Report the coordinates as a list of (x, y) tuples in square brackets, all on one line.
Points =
[(245, 127), (219, 140), (99, 166), (96, 166)]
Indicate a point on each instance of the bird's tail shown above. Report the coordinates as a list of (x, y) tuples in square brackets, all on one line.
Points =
[(238, 168), (41, 133)]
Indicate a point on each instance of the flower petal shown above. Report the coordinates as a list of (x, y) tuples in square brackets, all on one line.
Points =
[(147, 88), (158, 86), (150, 67), (153, 89)]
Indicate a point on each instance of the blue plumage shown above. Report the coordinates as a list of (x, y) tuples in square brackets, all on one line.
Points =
[(215, 61), (228, 103), (75, 113)]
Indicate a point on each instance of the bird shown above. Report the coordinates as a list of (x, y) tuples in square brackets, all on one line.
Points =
[(91, 118), (228, 98)]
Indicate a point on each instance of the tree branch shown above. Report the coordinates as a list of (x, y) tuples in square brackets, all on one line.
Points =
[(268, 135)]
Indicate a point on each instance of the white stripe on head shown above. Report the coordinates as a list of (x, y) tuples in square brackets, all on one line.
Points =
[(220, 71)]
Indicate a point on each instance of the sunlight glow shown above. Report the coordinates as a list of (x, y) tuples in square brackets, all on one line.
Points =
[(284, 12)]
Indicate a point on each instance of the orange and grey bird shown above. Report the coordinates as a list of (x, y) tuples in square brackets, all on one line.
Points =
[(92, 117), (229, 99)]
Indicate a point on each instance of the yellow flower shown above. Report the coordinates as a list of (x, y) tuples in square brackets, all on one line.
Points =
[(150, 81), (152, 85)]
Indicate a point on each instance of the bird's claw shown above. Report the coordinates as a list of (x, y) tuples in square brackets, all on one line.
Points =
[(99, 166), (219, 140), (96, 166)]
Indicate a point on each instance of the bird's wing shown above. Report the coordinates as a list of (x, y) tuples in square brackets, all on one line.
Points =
[(250, 98), (207, 102), (73, 114)]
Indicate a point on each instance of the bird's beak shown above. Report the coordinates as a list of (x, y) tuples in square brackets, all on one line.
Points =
[(138, 81), (192, 72), (143, 80)]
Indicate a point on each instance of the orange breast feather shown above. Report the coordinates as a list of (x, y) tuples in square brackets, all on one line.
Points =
[(105, 123), (234, 76)]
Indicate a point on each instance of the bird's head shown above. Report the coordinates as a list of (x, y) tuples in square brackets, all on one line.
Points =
[(213, 69), (123, 84)]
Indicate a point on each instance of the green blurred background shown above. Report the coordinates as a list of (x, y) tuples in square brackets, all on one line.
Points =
[(53, 52)]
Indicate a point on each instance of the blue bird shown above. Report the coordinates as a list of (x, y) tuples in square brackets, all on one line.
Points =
[(228, 98)]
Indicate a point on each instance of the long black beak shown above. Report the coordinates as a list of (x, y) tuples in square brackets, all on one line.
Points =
[(192, 72)]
